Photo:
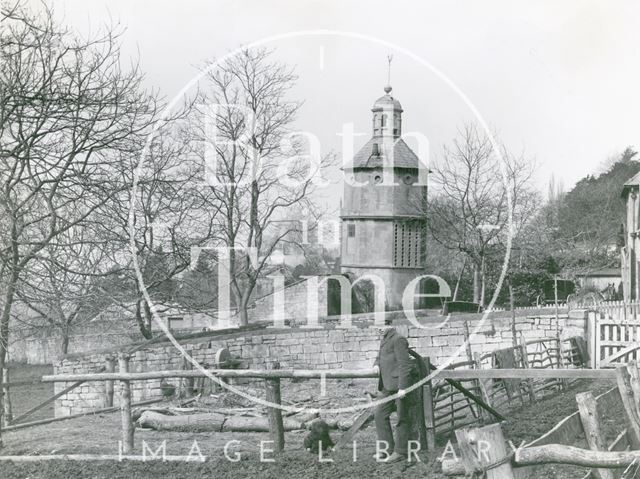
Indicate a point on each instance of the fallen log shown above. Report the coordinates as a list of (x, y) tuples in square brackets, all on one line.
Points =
[(561, 454), (256, 424), (188, 423), (211, 422)]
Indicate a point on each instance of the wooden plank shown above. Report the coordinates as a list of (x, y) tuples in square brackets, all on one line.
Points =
[(47, 401), (628, 402), (276, 426), (360, 423), (478, 400), (339, 374), (484, 450), (428, 405), (587, 409), (634, 378)]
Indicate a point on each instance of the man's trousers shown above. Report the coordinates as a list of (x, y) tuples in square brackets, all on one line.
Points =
[(383, 424)]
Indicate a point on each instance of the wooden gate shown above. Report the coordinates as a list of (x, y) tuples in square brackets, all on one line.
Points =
[(614, 335)]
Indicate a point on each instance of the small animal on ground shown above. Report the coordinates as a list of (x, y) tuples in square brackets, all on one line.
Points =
[(318, 437)]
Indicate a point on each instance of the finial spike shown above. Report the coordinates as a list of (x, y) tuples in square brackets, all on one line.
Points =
[(387, 88)]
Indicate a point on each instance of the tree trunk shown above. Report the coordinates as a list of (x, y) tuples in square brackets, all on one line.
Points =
[(205, 422), (476, 283), (243, 305), (243, 314), (148, 316), (482, 282), (146, 332), (455, 291), (4, 334), (65, 343)]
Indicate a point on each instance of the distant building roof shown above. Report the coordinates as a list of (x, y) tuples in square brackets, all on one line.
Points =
[(403, 156), (604, 272), (633, 182)]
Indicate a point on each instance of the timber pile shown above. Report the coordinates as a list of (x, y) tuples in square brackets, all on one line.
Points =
[(207, 416)]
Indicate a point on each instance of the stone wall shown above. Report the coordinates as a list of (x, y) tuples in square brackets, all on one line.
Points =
[(44, 345), (328, 348), (295, 301)]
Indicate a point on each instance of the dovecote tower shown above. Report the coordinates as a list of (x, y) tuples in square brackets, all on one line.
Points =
[(383, 214)]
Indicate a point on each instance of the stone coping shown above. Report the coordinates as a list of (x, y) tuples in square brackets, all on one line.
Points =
[(359, 321)]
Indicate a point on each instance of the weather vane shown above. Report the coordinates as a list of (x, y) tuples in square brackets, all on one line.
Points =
[(389, 58)]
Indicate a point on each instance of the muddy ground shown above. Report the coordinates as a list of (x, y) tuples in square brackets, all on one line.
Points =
[(100, 434)]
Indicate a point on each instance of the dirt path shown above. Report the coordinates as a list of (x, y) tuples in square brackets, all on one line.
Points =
[(100, 434)]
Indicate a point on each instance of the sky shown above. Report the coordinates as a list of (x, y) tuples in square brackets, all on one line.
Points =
[(557, 80)]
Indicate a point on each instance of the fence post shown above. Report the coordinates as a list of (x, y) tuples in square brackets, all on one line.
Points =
[(8, 414), (427, 398), (587, 408), (525, 364), (467, 343), (187, 384), (484, 394), (484, 450), (110, 367), (590, 337), (629, 402), (276, 426), (561, 364), (125, 405)]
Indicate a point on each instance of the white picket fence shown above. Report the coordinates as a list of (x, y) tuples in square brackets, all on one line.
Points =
[(614, 333)]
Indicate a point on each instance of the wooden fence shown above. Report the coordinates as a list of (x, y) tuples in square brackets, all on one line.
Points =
[(271, 375), (452, 409), (619, 459), (614, 333)]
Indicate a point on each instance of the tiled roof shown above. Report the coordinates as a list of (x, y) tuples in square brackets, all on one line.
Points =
[(403, 156)]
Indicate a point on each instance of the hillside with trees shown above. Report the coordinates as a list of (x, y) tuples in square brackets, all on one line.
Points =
[(569, 234)]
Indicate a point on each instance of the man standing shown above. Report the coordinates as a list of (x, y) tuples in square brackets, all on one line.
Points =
[(394, 377)]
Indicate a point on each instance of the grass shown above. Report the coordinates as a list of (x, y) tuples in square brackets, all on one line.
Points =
[(24, 398)]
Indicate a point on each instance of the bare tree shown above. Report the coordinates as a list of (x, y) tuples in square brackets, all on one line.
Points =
[(248, 162), (172, 214), (66, 104), (469, 212), (61, 284)]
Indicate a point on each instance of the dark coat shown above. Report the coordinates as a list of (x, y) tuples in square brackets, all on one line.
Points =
[(394, 362)]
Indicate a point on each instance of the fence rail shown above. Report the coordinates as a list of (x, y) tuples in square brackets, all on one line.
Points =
[(513, 373), (608, 461)]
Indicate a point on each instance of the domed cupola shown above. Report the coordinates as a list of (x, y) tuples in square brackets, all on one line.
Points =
[(387, 115)]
